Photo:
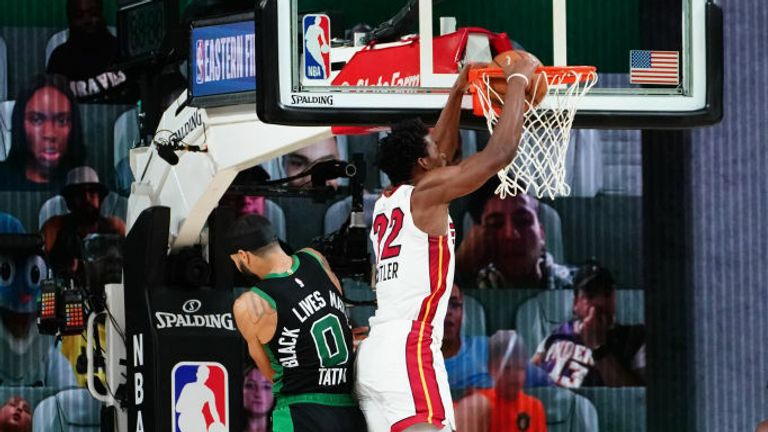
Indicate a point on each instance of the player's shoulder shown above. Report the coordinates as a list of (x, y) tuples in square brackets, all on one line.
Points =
[(252, 304)]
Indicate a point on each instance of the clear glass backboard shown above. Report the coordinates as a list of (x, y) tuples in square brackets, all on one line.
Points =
[(350, 62)]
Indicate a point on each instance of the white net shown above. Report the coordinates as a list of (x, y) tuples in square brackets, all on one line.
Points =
[(539, 166)]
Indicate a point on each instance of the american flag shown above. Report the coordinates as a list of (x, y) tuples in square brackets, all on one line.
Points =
[(654, 67)]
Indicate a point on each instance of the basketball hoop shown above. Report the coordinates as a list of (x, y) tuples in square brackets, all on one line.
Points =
[(540, 159)]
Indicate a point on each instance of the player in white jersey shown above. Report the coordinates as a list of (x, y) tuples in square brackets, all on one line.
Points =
[(401, 380)]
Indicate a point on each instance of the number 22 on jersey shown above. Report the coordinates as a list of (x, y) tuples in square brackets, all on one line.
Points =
[(389, 226)]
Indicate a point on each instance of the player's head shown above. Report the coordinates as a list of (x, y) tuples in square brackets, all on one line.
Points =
[(202, 374), (253, 245), (408, 152), (594, 286), (318, 20), (507, 362), (454, 315)]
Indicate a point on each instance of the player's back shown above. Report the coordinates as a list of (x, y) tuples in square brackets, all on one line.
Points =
[(414, 271), (311, 351)]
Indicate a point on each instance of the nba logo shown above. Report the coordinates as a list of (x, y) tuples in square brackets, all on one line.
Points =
[(317, 46), (200, 400), (200, 54)]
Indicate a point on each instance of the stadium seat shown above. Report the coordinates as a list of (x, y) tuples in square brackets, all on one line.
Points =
[(618, 409), (6, 111), (584, 163), (115, 205), (54, 206), (69, 410), (567, 411), (358, 291), (553, 230), (59, 38), (473, 321), (3, 70), (538, 316), (126, 134), (276, 216), (338, 212), (622, 161), (499, 305)]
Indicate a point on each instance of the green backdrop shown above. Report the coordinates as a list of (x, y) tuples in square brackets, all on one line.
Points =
[(600, 32)]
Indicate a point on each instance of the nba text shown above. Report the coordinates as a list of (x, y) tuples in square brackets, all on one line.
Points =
[(138, 379)]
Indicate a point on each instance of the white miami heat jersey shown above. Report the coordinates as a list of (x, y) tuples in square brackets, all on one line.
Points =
[(414, 271)]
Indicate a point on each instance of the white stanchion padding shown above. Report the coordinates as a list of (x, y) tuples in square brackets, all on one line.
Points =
[(226, 140)]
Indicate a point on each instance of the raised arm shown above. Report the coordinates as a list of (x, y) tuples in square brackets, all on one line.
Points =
[(446, 131), (441, 186)]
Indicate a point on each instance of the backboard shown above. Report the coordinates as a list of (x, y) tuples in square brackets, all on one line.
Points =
[(659, 61)]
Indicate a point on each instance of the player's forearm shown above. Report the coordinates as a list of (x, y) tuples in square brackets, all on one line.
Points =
[(446, 132), (502, 146)]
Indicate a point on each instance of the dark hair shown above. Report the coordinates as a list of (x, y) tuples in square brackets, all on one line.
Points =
[(71, 6), (593, 280), (20, 152), (477, 200), (401, 149), (250, 233)]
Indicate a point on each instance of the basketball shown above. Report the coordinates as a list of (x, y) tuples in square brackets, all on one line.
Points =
[(537, 87), (325, 49)]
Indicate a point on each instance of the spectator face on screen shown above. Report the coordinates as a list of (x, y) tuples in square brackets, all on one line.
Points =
[(509, 379), (296, 162), (513, 236), (85, 16), (47, 125), (86, 203), (507, 363), (604, 304), (257, 394), (15, 415), (454, 315)]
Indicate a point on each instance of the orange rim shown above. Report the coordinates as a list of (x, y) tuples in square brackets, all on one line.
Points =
[(554, 74), (566, 74)]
